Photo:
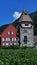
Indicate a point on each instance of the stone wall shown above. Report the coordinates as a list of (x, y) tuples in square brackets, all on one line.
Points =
[(30, 37)]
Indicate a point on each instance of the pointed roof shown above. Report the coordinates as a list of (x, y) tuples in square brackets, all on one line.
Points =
[(25, 17)]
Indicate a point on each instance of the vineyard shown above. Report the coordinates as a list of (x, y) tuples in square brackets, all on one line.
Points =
[(18, 56)]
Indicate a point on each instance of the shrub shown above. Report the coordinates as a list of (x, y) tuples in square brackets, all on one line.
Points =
[(10, 47), (23, 47)]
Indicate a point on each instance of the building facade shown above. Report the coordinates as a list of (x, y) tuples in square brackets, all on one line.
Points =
[(9, 36), (23, 36), (26, 30)]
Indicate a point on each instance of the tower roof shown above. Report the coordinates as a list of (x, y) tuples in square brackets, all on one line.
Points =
[(25, 17)]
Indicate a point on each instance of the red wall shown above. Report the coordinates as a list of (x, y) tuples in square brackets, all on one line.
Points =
[(5, 34)]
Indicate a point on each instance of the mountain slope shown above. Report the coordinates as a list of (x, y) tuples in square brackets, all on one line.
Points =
[(34, 17)]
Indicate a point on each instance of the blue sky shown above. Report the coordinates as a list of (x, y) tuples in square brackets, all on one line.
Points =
[(11, 9)]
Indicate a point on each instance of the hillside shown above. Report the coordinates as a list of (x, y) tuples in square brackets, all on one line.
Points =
[(15, 23), (34, 17)]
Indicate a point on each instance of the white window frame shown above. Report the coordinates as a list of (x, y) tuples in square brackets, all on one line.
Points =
[(8, 39), (12, 39), (10, 43), (7, 44), (8, 32), (12, 32), (2, 39)]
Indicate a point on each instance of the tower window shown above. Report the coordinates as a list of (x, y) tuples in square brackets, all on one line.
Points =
[(25, 31), (26, 24), (25, 39)]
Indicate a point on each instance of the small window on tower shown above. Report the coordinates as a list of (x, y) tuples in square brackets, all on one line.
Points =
[(25, 31), (25, 39), (26, 24)]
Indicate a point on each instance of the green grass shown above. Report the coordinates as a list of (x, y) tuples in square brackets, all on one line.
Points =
[(18, 56)]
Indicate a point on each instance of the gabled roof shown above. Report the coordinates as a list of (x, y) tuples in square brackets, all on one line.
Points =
[(25, 17), (4, 27)]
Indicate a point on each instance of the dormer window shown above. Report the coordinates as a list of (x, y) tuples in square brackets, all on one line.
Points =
[(26, 24)]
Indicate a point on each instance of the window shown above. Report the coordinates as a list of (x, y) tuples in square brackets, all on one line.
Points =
[(10, 43), (10, 32), (17, 39), (8, 39), (26, 24), (7, 44), (25, 31), (2, 39), (25, 39), (12, 39)]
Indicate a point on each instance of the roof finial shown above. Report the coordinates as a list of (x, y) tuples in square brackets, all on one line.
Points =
[(24, 12)]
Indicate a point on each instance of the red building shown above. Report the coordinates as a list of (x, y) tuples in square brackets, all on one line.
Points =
[(9, 36)]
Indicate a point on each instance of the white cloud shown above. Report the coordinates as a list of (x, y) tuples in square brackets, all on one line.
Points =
[(16, 15)]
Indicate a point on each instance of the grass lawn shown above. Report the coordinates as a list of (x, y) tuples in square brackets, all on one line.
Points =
[(18, 56)]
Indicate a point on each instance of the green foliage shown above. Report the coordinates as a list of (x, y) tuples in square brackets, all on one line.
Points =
[(34, 17), (18, 56), (23, 47), (9, 47)]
